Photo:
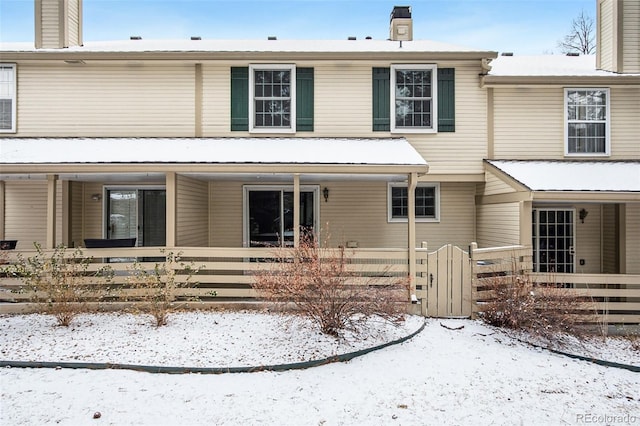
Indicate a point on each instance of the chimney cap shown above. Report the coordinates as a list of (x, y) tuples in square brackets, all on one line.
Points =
[(400, 12)]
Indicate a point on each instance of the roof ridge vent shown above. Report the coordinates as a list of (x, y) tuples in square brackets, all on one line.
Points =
[(506, 54), (272, 38), (135, 38), (573, 54), (352, 38), (196, 38)]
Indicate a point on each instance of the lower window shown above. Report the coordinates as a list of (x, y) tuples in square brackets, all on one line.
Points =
[(427, 202)]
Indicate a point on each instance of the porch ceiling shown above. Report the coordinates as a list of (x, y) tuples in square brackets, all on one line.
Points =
[(571, 179), (151, 157)]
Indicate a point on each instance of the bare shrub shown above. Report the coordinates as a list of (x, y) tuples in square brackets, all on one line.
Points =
[(517, 303), (61, 283), (159, 287), (318, 282)]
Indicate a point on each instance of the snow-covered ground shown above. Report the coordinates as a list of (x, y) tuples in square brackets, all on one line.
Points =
[(472, 375)]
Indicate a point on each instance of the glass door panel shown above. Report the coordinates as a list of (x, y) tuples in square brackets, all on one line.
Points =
[(553, 240), (122, 213), (153, 214)]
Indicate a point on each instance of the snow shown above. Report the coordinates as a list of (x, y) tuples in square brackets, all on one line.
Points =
[(620, 176), (236, 45), (472, 375), (548, 65), (396, 151)]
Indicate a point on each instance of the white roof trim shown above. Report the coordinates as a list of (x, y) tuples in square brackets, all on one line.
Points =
[(549, 66), (316, 151), (601, 176)]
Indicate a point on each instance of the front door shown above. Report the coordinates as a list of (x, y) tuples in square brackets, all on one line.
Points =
[(137, 213), (269, 215), (553, 240)]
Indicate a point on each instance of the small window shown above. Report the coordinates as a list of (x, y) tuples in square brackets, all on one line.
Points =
[(7, 98), (272, 98), (414, 98), (427, 202), (587, 118)]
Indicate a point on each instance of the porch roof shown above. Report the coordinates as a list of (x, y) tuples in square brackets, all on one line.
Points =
[(286, 155), (568, 178)]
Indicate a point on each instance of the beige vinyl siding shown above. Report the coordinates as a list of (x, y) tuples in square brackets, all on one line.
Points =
[(216, 100), (498, 224), (631, 37), (588, 240), (529, 123), (192, 212), (610, 239), (50, 24), (493, 186), (625, 126), (632, 237), (606, 36), (26, 213), (125, 100), (93, 210), (73, 23), (77, 214), (225, 214)]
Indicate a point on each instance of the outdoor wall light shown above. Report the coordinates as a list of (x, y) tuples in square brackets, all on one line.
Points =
[(582, 214), (96, 197), (325, 193)]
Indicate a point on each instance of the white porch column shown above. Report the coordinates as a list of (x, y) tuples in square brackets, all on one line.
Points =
[(411, 227), (296, 210), (52, 181), (170, 187)]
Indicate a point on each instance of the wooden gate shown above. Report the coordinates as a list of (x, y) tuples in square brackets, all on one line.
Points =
[(448, 281)]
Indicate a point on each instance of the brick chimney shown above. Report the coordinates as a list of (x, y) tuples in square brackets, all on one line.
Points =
[(401, 25), (618, 36), (58, 23)]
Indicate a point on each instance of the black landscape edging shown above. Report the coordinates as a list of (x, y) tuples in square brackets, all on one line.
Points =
[(209, 370)]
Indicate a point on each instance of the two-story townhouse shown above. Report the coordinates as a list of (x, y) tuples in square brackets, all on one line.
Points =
[(563, 168), (228, 143)]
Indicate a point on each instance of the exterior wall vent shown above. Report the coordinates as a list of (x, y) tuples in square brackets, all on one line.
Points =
[(401, 25)]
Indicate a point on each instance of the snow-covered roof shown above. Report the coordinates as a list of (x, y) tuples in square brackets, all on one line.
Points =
[(229, 46), (324, 151), (547, 66), (615, 176)]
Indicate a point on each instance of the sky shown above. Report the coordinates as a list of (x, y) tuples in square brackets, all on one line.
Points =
[(526, 27)]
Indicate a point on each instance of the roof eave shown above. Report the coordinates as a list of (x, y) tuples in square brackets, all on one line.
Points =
[(505, 81)]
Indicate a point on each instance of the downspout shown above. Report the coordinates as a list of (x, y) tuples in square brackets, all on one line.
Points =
[(296, 210)]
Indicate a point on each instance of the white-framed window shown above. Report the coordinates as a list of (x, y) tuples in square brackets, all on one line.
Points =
[(427, 198), (414, 98), (7, 98), (272, 98), (587, 121)]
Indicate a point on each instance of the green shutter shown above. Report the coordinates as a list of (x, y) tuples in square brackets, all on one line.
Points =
[(304, 99), (446, 100), (381, 101), (239, 98)]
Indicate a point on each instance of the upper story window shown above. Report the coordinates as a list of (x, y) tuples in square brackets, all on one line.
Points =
[(272, 98), (414, 98), (587, 118), (427, 203), (7, 98)]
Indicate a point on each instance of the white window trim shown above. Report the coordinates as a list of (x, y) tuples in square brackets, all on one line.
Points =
[(392, 219), (607, 148), (258, 67), (14, 98), (434, 98), (303, 188)]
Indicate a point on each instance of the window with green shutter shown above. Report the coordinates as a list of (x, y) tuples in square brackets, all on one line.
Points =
[(404, 99), (265, 98)]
